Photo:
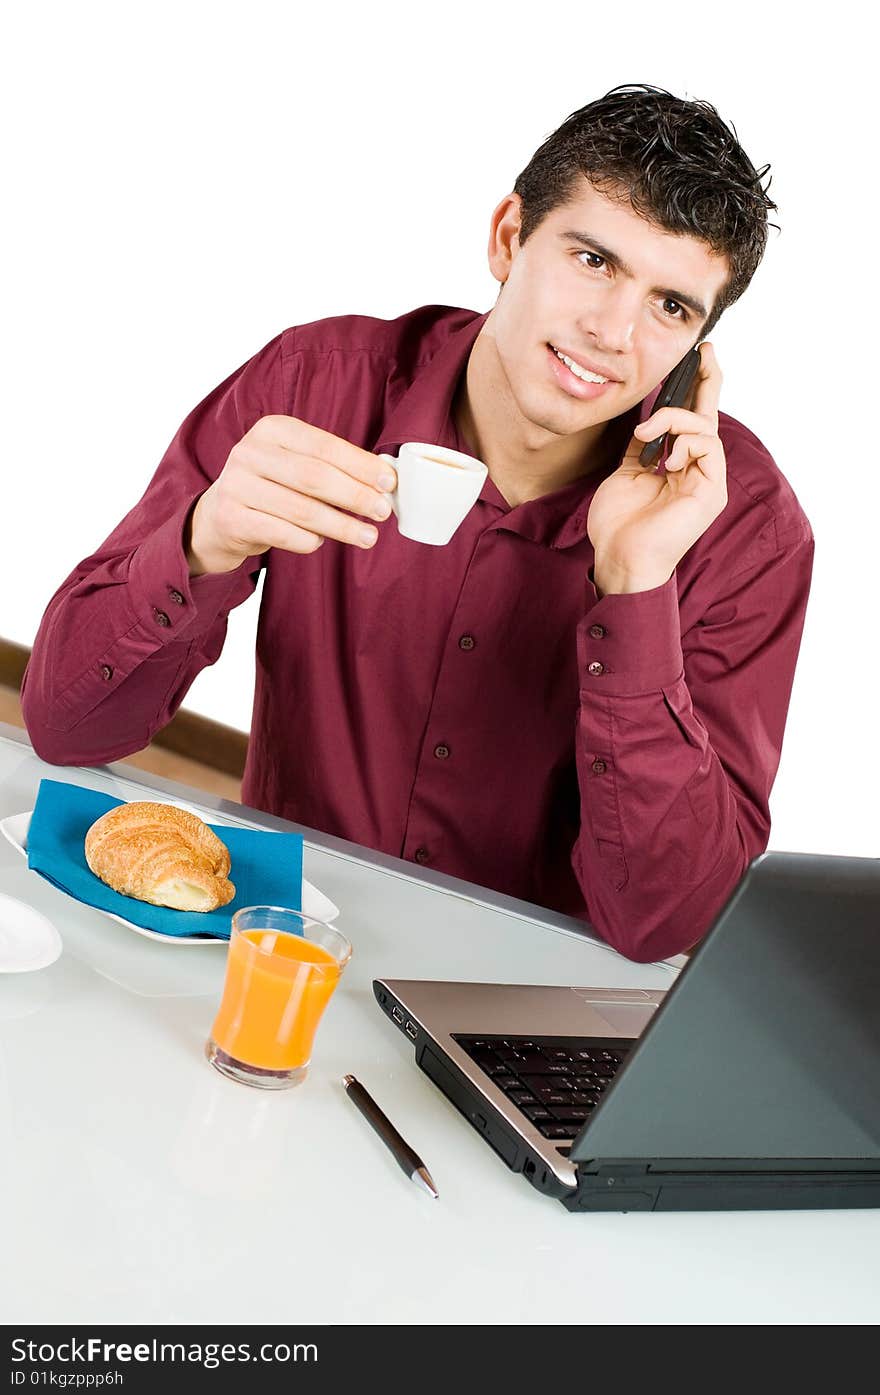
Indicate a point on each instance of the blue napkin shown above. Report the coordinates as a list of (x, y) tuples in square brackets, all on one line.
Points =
[(266, 866)]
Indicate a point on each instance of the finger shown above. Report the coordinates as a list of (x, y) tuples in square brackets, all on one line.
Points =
[(302, 438), (270, 501), (285, 537), (701, 449), (305, 474), (708, 385), (677, 420)]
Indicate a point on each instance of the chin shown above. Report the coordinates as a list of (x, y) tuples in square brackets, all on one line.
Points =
[(558, 421)]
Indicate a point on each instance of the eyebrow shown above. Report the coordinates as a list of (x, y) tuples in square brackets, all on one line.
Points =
[(593, 245)]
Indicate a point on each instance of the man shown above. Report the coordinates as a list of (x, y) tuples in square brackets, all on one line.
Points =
[(580, 700)]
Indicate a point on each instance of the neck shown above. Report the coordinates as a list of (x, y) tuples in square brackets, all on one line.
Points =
[(524, 460)]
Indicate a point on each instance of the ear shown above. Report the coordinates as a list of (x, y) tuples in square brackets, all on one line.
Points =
[(504, 236)]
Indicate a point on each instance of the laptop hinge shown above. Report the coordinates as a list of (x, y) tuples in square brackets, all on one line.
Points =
[(595, 1168), (670, 1167)]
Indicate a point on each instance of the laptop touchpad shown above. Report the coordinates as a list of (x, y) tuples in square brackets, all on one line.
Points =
[(628, 1018)]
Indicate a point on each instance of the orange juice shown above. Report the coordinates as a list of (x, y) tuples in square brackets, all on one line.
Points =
[(277, 986)]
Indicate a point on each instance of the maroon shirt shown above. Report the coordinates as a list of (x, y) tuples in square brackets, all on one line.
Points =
[(475, 707)]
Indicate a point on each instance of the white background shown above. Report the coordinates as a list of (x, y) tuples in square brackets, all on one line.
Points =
[(183, 181)]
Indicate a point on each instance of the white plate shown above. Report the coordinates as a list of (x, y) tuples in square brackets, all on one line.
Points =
[(314, 902), (27, 939)]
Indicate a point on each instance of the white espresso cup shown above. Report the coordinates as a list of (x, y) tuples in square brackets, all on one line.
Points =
[(435, 489)]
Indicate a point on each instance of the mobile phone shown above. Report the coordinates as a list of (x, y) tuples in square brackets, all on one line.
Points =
[(674, 393)]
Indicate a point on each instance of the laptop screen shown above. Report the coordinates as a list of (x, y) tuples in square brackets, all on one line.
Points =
[(768, 1045)]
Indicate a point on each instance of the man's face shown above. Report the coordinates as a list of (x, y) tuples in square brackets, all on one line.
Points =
[(597, 283)]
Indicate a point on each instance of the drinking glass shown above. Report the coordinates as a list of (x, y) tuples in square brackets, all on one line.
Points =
[(281, 970)]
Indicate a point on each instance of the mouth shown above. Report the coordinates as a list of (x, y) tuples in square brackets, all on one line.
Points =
[(577, 378)]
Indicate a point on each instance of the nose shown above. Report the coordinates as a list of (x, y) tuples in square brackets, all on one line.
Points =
[(611, 322)]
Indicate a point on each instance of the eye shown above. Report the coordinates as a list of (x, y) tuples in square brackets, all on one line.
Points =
[(678, 312), (595, 265)]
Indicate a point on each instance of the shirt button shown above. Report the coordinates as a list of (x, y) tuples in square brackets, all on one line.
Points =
[(161, 618), (106, 672), (176, 596), (421, 854), (597, 631), (466, 642), (599, 767), (441, 752), (595, 668)]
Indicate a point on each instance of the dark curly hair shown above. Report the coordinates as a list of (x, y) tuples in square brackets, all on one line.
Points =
[(677, 164)]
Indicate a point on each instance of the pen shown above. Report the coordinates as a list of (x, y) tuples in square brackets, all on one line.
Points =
[(400, 1149)]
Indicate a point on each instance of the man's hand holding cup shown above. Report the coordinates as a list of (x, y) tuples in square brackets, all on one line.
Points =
[(288, 485)]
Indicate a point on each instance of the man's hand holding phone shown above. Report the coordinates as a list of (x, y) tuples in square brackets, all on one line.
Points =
[(642, 521), (289, 485)]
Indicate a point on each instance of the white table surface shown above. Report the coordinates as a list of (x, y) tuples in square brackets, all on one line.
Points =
[(141, 1186)]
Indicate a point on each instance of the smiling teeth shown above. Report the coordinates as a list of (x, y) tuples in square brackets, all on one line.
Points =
[(579, 372)]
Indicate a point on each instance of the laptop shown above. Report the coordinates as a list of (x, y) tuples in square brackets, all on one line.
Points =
[(752, 1083)]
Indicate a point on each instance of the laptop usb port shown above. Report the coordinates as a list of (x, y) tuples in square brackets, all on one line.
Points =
[(412, 1030), (397, 1014)]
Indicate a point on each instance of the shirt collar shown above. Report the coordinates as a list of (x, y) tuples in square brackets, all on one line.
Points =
[(424, 413)]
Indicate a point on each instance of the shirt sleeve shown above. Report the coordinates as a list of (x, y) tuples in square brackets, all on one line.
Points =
[(126, 633), (679, 739)]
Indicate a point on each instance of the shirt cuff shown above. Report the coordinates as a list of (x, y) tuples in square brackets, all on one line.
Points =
[(165, 599), (629, 645)]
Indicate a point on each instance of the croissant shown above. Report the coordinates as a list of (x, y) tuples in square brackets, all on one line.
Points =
[(160, 854)]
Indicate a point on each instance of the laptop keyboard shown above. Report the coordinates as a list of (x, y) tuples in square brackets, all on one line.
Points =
[(556, 1081)]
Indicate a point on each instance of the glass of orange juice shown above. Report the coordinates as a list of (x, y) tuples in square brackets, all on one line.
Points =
[(281, 970)]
